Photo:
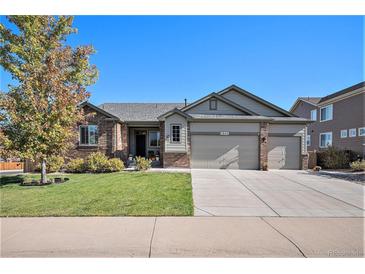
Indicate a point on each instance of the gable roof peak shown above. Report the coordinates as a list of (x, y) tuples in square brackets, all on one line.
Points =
[(257, 99), (221, 98), (99, 109), (173, 111)]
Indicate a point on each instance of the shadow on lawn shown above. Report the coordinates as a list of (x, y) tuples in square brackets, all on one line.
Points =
[(14, 179)]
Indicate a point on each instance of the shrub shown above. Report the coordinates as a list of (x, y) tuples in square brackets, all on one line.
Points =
[(358, 165), (75, 165), (53, 164), (97, 162), (333, 158), (142, 163), (115, 164)]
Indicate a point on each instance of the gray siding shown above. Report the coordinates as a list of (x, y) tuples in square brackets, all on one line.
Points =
[(230, 127), (347, 113), (175, 147), (222, 108), (251, 104)]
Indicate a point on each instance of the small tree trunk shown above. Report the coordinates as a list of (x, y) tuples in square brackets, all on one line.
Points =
[(43, 172)]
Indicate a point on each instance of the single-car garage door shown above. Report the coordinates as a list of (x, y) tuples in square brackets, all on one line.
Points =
[(224, 152), (284, 153)]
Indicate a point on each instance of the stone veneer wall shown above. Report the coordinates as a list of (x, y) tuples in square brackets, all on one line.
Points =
[(264, 135)]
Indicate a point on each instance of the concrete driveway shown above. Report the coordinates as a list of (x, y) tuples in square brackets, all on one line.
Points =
[(274, 193)]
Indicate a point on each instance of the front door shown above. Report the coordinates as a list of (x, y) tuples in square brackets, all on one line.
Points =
[(141, 144)]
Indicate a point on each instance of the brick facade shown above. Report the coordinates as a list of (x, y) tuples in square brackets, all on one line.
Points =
[(171, 159), (107, 138), (305, 160), (264, 134), (188, 141), (125, 143)]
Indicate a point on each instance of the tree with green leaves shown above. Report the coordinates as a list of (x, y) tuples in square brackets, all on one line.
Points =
[(38, 113)]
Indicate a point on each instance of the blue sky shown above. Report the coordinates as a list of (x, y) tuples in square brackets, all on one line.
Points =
[(169, 58)]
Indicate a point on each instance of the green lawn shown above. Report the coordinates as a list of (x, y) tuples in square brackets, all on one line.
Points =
[(112, 194)]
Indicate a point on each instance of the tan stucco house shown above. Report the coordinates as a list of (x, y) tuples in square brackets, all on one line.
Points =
[(229, 129)]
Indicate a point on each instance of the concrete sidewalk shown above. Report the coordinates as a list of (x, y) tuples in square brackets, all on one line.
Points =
[(182, 237)]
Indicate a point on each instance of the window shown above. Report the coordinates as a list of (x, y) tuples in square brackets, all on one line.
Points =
[(314, 115), (88, 135), (352, 132), (308, 140), (176, 133), (154, 138), (213, 104), (326, 113), (325, 139), (362, 131), (344, 133)]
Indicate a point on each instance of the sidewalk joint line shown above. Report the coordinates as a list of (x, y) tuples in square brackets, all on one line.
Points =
[(278, 231), (211, 214), (293, 181), (257, 196), (153, 233)]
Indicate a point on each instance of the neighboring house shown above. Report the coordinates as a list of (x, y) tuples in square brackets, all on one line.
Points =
[(231, 129), (338, 119)]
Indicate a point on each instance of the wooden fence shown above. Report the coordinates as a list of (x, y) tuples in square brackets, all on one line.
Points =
[(29, 166), (312, 159), (11, 165)]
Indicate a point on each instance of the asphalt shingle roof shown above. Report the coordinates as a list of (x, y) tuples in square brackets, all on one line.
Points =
[(139, 111), (313, 100), (343, 91)]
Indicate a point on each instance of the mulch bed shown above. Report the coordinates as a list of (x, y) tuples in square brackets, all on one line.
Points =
[(35, 182), (356, 177)]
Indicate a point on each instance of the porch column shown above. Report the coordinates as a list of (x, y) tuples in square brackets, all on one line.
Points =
[(162, 142), (125, 145), (264, 134), (114, 139)]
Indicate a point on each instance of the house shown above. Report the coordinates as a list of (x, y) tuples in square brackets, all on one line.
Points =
[(230, 129), (338, 119)]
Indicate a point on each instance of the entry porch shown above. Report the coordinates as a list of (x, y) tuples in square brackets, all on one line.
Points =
[(144, 141)]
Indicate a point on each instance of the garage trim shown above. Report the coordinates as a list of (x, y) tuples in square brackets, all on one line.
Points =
[(284, 135), (230, 133)]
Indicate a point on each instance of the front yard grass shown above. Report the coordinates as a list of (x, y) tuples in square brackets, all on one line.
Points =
[(107, 194)]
